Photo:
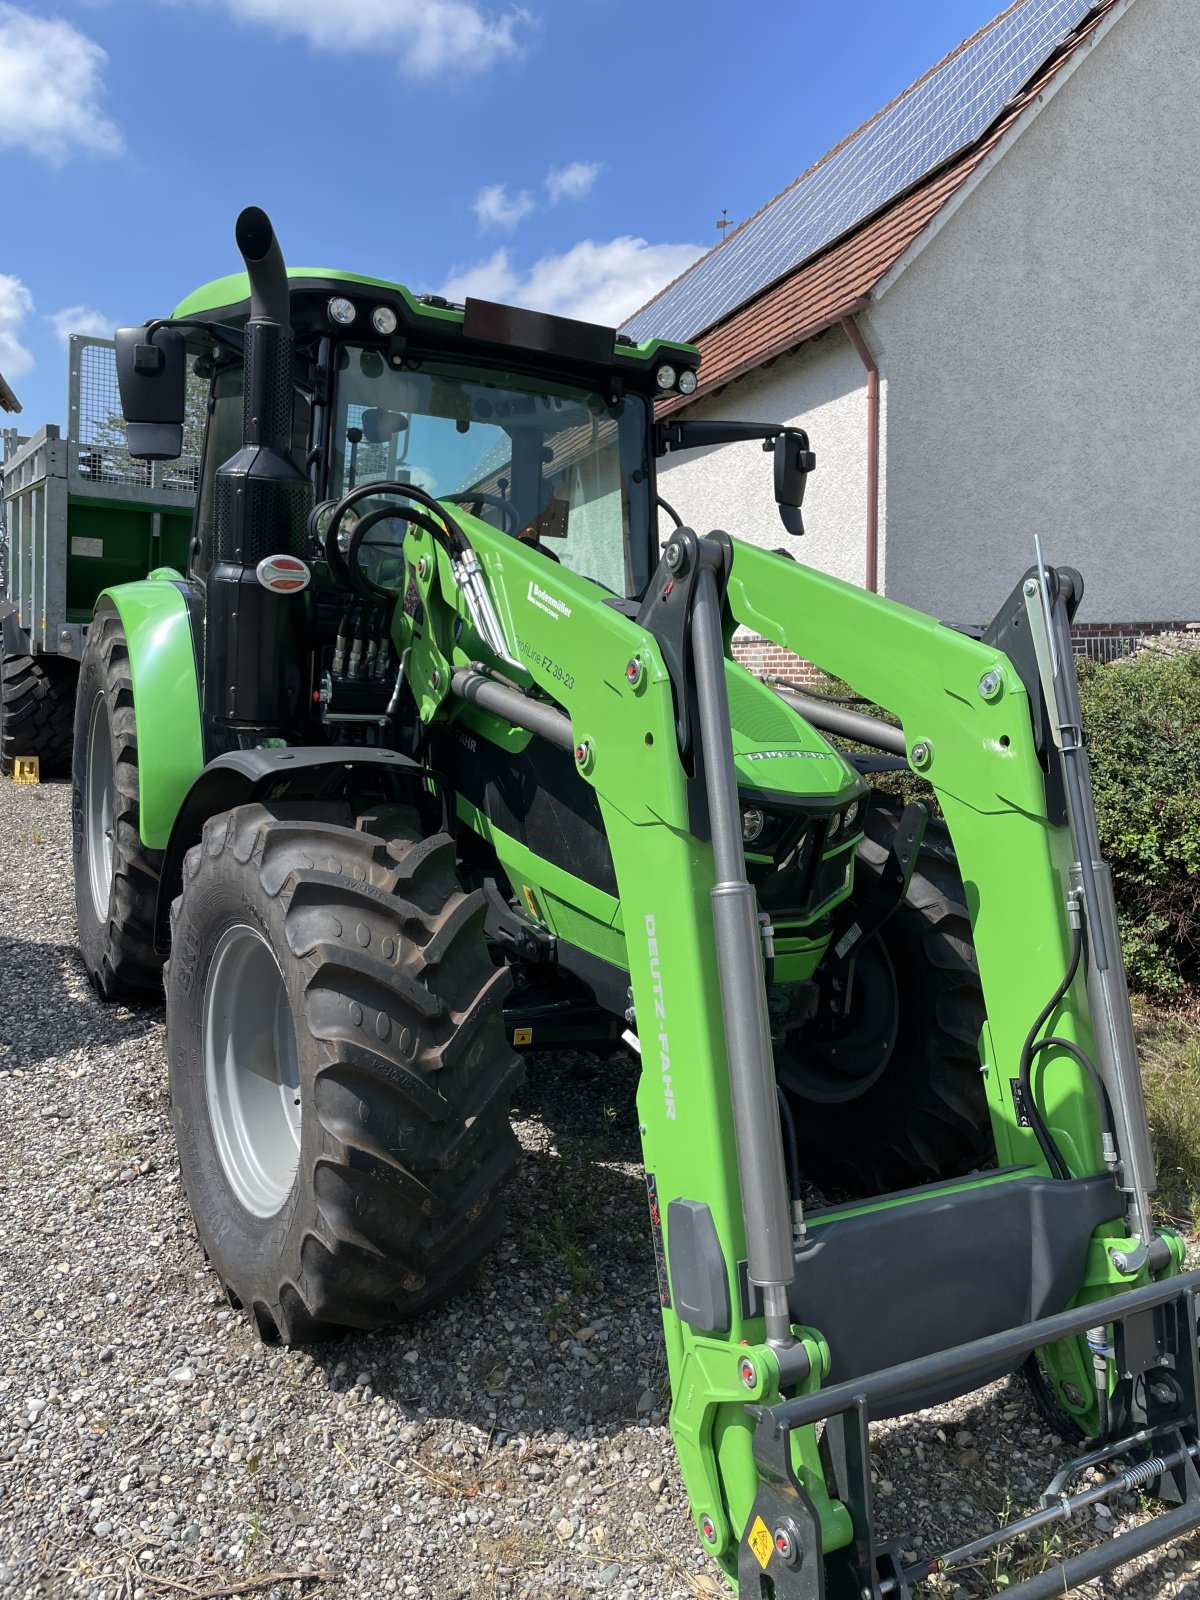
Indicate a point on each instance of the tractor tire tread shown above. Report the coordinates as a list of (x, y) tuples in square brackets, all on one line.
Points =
[(399, 1006)]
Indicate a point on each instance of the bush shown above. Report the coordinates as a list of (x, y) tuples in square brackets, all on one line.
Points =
[(1142, 717)]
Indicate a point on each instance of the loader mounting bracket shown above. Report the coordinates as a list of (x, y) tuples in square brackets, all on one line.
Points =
[(666, 614), (1009, 633), (1158, 1387)]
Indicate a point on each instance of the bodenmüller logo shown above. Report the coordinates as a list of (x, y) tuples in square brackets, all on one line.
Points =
[(550, 604)]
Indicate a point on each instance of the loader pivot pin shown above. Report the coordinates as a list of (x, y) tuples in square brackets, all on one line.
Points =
[(787, 1542), (748, 1372)]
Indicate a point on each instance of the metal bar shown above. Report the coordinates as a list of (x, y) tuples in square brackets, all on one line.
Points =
[(847, 724), (1076, 1570), (771, 1261), (995, 1348), (1062, 1511), (1108, 996), (515, 707)]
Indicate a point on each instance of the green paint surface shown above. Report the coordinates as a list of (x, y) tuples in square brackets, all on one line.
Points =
[(166, 699)]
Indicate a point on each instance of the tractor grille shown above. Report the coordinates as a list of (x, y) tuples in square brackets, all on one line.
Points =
[(758, 714), (577, 928)]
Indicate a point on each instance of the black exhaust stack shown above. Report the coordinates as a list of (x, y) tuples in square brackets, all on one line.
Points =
[(256, 641)]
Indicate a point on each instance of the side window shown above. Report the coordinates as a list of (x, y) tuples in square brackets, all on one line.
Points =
[(224, 439)]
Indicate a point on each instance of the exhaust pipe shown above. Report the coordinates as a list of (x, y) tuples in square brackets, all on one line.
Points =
[(264, 265), (256, 642)]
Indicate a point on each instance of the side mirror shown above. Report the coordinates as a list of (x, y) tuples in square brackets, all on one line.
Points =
[(793, 463), (379, 426), (152, 376)]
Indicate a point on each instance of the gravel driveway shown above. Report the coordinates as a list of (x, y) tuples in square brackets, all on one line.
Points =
[(513, 1444)]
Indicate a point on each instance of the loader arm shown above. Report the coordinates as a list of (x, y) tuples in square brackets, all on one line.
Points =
[(609, 676)]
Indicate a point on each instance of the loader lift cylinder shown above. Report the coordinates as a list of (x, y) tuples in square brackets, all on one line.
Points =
[(771, 1261), (1108, 995)]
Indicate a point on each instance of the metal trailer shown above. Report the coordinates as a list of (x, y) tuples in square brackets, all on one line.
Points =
[(77, 515)]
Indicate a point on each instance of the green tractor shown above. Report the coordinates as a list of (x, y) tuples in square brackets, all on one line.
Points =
[(437, 751)]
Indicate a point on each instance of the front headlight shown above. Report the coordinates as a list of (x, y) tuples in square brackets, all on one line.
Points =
[(753, 822)]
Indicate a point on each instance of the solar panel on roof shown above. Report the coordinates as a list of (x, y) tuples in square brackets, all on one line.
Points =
[(931, 122)]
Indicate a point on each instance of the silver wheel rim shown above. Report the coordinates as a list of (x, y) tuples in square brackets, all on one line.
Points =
[(251, 1071), (100, 807)]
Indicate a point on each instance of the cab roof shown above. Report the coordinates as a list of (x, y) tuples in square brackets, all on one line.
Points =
[(430, 321)]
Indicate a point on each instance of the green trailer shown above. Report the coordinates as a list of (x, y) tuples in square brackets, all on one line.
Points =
[(77, 515)]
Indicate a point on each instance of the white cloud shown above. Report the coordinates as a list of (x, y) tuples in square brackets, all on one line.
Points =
[(496, 208), (50, 88), (573, 181), (602, 282), (457, 37), (80, 319), (16, 303)]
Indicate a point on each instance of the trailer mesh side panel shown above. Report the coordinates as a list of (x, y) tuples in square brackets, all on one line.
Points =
[(99, 426)]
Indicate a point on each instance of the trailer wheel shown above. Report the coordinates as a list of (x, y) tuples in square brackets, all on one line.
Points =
[(37, 711), (340, 1080), (116, 876), (898, 1099)]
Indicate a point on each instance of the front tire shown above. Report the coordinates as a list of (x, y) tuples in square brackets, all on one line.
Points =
[(340, 1080), (116, 875), (898, 1100)]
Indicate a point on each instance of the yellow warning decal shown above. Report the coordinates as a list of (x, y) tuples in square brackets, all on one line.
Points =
[(531, 902), (760, 1541), (27, 769), (522, 1035)]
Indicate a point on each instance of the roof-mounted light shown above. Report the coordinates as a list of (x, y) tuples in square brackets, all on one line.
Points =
[(665, 376), (687, 381), (342, 311), (384, 320)]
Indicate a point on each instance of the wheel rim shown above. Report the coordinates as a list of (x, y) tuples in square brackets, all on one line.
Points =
[(100, 806), (251, 1071), (841, 1067)]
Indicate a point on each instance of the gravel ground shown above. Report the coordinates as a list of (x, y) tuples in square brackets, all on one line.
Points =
[(514, 1444)]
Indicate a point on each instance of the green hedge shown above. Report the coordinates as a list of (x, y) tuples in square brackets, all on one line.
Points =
[(1142, 718)]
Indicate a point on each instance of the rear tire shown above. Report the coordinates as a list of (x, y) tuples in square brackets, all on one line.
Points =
[(386, 1028), (924, 1116), (116, 876), (37, 711)]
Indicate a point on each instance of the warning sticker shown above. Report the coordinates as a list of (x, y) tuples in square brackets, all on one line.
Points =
[(522, 1036), (86, 547), (760, 1541)]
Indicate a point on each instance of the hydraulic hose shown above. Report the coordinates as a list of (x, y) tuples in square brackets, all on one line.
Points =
[(1033, 1046), (1045, 1139)]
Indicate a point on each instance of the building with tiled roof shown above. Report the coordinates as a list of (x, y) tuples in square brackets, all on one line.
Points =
[(983, 307)]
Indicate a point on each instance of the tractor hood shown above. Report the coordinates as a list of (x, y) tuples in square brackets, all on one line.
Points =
[(780, 759)]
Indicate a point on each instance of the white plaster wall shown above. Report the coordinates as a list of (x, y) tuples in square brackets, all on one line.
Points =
[(822, 389), (1043, 351)]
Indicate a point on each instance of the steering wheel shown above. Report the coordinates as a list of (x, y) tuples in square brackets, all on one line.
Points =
[(481, 497)]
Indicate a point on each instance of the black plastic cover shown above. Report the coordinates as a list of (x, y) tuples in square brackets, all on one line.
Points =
[(699, 1278)]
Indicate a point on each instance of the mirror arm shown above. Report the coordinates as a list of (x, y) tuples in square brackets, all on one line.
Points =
[(218, 332)]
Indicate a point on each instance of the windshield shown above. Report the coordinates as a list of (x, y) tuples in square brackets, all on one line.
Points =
[(556, 466)]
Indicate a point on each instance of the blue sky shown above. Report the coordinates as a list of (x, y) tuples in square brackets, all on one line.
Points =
[(569, 154)]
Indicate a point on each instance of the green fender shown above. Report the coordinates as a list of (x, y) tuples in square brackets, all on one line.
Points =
[(166, 696)]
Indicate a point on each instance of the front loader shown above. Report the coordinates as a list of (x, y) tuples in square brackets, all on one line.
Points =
[(438, 749)]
